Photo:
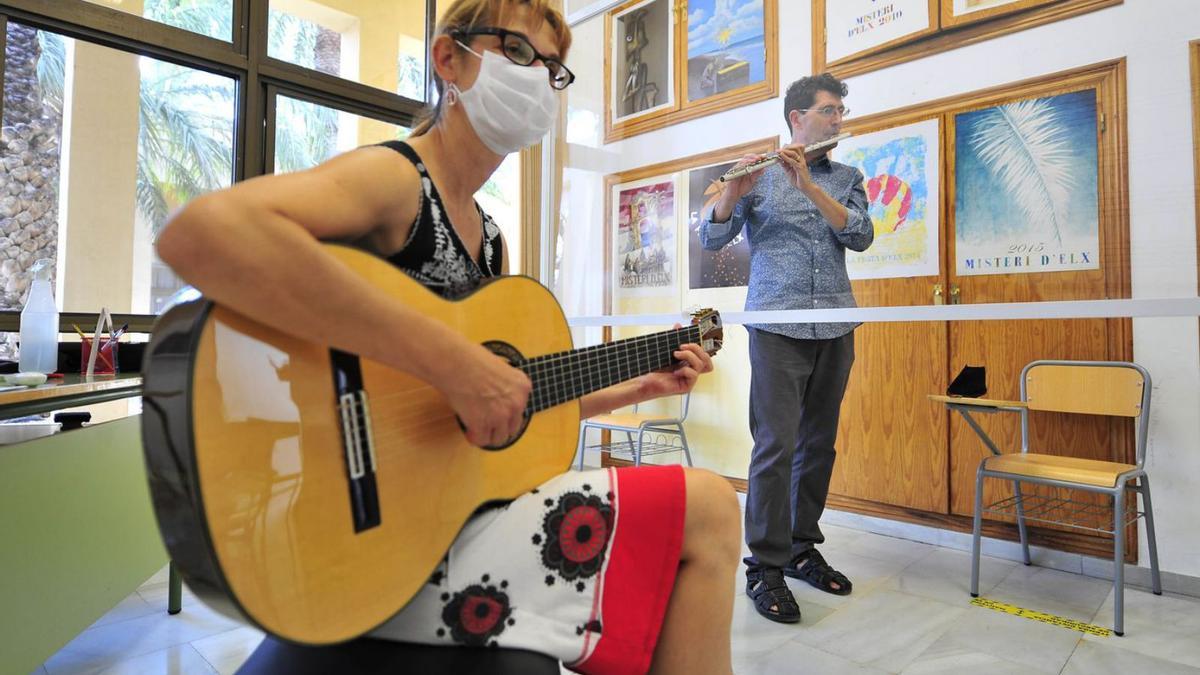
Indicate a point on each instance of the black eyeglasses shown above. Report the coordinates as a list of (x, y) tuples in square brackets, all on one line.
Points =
[(519, 50)]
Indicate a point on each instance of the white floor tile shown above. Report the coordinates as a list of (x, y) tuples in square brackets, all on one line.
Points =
[(1163, 626), (131, 607), (1105, 658), (887, 548), (885, 630), (796, 657), (945, 575), (103, 646), (1051, 591), (177, 660), (1039, 646), (942, 658), (226, 652)]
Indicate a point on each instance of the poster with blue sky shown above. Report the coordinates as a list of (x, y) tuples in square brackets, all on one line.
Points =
[(726, 46), (1026, 187)]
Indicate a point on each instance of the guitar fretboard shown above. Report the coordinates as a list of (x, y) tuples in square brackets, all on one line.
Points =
[(564, 376)]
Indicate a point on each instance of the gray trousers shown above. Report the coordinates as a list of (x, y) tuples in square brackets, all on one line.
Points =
[(796, 389)]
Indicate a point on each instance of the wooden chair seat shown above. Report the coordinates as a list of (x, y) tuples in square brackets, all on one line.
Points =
[(1053, 467), (626, 420)]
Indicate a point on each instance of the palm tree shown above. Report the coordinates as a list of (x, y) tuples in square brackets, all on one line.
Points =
[(29, 174)]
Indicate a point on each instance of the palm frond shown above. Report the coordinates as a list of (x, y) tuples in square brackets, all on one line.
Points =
[(1027, 147), (52, 69)]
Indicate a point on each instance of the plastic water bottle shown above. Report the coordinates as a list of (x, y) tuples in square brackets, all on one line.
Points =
[(39, 323)]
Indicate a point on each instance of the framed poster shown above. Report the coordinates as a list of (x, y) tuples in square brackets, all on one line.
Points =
[(676, 191), (901, 168), (644, 246), (728, 267), (851, 37), (726, 46), (959, 12), (857, 27), (1026, 186), (641, 52), (668, 61)]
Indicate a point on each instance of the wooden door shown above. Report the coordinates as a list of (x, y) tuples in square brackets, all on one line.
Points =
[(1004, 347), (892, 446)]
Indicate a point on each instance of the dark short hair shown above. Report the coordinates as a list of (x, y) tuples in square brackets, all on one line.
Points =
[(802, 92)]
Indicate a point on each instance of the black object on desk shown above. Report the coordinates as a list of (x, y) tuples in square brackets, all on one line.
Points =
[(970, 383), (72, 420)]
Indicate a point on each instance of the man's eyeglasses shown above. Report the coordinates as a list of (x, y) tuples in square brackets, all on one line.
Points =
[(828, 110), (518, 50)]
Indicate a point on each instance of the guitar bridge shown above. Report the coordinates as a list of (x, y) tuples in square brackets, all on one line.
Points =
[(358, 442), (356, 433)]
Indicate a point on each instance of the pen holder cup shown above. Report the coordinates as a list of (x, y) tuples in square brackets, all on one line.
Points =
[(106, 359)]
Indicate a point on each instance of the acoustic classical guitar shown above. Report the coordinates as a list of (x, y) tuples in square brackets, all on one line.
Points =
[(311, 492)]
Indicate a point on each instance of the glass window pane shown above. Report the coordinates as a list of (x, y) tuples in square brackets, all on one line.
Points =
[(213, 18), (380, 43), (98, 147), (307, 134), (500, 197)]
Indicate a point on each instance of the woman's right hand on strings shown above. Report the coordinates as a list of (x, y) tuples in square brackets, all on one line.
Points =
[(487, 394)]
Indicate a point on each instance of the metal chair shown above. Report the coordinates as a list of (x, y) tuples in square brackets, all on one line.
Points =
[(1085, 387), (642, 425)]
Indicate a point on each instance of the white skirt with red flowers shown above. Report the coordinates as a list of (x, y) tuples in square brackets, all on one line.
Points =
[(580, 568)]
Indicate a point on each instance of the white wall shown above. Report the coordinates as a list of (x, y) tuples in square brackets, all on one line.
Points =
[(1152, 35)]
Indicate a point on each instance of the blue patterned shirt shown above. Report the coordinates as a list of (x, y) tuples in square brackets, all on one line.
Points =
[(797, 259)]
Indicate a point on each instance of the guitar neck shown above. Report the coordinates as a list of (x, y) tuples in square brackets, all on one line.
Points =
[(565, 376)]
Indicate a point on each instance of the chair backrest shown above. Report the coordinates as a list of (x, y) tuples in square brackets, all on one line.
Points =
[(1117, 388)]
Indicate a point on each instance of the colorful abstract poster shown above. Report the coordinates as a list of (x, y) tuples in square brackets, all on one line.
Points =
[(644, 256), (853, 26), (728, 267), (1026, 187), (900, 167), (727, 46)]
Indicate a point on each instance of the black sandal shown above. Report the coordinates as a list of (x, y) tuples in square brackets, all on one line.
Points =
[(811, 567), (772, 598)]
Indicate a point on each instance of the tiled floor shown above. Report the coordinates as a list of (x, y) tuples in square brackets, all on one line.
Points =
[(909, 614)]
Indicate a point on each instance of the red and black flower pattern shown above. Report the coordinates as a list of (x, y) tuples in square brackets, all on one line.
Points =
[(477, 614), (575, 533)]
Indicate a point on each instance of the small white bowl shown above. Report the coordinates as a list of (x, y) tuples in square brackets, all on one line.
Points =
[(26, 379)]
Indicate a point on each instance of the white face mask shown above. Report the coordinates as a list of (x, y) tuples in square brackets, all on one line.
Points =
[(510, 106)]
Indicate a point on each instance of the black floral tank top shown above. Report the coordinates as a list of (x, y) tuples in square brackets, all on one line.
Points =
[(434, 255)]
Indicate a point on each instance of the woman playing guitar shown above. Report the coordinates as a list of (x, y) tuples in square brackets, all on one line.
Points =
[(623, 570)]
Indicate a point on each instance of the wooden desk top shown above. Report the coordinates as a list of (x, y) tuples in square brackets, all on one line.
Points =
[(71, 390), (977, 402)]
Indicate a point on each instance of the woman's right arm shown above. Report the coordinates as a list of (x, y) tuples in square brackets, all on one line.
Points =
[(255, 249)]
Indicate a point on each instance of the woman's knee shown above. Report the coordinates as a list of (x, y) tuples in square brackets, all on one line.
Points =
[(713, 515)]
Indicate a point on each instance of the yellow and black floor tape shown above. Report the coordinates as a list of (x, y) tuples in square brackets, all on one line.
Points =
[(1070, 624)]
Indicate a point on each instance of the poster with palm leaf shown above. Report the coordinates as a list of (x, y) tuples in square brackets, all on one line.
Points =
[(1026, 190)]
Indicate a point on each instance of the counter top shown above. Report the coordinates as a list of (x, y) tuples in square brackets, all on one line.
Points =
[(68, 392)]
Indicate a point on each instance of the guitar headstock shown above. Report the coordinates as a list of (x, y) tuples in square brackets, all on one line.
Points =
[(712, 331)]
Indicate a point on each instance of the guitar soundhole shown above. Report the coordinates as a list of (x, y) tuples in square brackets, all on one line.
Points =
[(514, 357)]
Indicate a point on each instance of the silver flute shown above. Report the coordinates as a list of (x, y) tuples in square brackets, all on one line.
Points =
[(773, 158)]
